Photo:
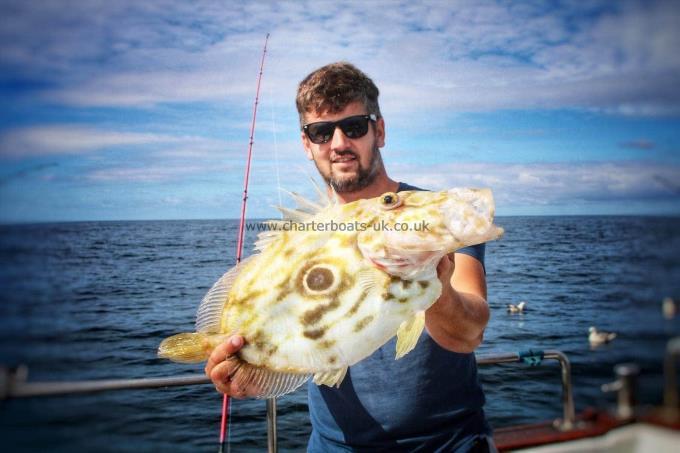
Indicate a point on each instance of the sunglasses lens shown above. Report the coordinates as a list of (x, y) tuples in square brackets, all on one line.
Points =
[(320, 132), (354, 127)]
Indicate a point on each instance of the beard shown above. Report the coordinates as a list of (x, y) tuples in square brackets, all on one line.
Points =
[(363, 178)]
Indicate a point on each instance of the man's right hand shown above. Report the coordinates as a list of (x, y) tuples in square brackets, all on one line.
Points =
[(222, 366)]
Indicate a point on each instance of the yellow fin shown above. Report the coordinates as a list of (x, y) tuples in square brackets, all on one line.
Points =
[(189, 347), (409, 333), (331, 378), (265, 383)]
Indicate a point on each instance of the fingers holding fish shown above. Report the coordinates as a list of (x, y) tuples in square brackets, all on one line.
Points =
[(231, 346), (445, 268), (222, 366)]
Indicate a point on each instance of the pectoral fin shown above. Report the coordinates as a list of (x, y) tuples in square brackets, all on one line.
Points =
[(408, 334), (330, 378)]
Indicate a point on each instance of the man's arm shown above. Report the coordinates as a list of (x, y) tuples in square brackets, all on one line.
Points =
[(457, 320)]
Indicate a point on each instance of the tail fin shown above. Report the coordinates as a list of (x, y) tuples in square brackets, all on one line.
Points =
[(186, 347)]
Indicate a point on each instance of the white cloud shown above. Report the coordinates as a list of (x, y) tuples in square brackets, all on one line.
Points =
[(154, 173), (65, 139), (619, 57), (74, 139), (552, 183)]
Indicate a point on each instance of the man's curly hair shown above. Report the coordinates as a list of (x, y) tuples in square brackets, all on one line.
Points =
[(334, 86)]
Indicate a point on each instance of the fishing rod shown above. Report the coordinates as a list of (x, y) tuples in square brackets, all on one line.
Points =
[(225, 424)]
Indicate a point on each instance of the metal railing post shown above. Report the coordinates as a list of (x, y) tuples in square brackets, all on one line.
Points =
[(272, 446), (568, 410)]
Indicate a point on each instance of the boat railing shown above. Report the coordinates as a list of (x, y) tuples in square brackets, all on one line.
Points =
[(14, 384), (534, 358)]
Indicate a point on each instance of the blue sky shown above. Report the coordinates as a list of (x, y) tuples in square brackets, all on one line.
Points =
[(141, 110)]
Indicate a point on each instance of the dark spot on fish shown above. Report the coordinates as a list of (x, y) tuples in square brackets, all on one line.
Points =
[(315, 314), (319, 279), (262, 342), (423, 284), (315, 334), (406, 283), (363, 322), (247, 299), (283, 293), (387, 296), (326, 344), (358, 303), (403, 300), (332, 360), (347, 283)]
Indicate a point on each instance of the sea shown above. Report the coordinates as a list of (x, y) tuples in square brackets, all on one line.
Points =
[(92, 300)]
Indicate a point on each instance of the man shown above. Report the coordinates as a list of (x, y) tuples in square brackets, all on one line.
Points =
[(429, 400)]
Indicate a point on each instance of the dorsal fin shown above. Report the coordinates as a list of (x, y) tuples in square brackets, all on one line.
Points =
[(334, 196), (305, 209), (324, 199), (209, 314), (296, 215), (274, 228), (303, 204)]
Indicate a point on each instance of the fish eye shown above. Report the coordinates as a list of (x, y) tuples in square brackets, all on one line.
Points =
[(390, 200)]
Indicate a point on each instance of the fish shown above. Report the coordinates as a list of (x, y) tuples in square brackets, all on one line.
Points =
[(330, 283)]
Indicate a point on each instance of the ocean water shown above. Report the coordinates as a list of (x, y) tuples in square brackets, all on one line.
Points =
[(93, 300)]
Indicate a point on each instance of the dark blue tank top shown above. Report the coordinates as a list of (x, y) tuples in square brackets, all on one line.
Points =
[(429, 400)]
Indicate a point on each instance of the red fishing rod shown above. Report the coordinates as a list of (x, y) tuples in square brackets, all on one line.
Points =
[(241, 230)]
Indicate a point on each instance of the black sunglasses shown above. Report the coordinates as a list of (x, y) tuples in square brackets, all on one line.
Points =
[(352, 127)]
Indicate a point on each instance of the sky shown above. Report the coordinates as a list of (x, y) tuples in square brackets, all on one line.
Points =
[(132, 110)]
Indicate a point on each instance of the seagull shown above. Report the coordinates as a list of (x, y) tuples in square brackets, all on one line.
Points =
[(668, 308), (519, 308), (598, 338)]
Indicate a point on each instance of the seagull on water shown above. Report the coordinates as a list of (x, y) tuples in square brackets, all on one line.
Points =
[(597, 337), (519, 308), (668, 308)]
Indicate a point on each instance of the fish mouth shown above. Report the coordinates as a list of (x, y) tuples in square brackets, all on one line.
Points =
[(391, 263), (409, 266)]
